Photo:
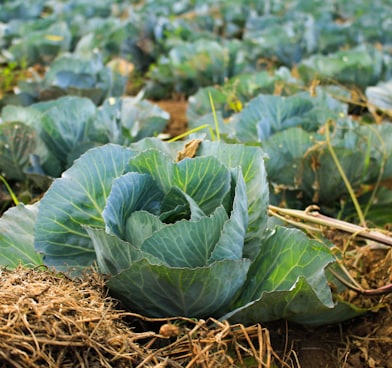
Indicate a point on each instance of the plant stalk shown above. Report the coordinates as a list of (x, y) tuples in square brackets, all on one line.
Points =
[(317, 218), (10, 191), (344, 177)]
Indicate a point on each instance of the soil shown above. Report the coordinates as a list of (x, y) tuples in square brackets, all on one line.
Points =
[(177, 110)]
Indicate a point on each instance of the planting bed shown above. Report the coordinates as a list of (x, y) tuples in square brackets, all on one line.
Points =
[(195, 183)]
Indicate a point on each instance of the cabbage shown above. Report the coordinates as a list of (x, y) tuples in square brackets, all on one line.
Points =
[(185, 233)]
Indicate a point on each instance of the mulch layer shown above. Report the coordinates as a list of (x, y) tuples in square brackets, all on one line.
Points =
[(50, 320)]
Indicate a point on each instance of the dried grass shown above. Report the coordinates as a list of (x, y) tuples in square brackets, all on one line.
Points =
[(49, 320)]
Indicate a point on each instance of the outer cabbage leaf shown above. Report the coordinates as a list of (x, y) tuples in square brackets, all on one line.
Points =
[(288, 280), (17, 143), (230, 97), (158, 290), (17, 237), (77, 198), (380, 96), (124, 120), (319, 179), (114, 254), (266, 115), (67, 127), (362, 66), (299, 304), (286, 150), (375, 143), (169, 149), (41, 46)]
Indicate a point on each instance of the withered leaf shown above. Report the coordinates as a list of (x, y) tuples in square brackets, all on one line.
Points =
[(189, 150)]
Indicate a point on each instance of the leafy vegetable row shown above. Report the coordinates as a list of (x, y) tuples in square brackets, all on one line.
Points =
[(190, 236)]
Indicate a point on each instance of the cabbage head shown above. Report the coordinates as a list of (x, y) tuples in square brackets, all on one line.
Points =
[(176, 237), (186, 237)]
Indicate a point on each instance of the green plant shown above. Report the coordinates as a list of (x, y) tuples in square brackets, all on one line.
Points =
[(17, 237), (185, 237), (45, 138), (10, 74), (9, 189)]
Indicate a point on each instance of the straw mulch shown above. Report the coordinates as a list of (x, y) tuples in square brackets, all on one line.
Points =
[(49, 320)]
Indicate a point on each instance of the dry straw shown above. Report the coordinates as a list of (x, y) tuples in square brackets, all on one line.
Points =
[(49, 320)]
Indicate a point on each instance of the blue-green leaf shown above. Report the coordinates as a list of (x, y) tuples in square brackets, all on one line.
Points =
[(17, 142), (321, 181), (251, 161), (114, 254), (158, 290), (231, 242), (380, 96), (77, 198), (66, 127), (206, 181), (17, 237), (130, 193), (287, 280), (286, 150), (299, 304), (268, 114), (156, 164), (141, 225), (187, 243), (127, 119)]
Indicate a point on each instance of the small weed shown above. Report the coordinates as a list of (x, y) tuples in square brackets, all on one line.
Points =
[(10, 74)]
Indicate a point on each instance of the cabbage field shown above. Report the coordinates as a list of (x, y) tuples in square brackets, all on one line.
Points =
[(261, 197)]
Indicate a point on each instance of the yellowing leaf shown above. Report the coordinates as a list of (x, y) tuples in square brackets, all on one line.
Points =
[(235, 104), (54, 38)]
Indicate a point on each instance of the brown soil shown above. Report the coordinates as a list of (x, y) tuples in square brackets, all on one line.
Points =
[(177, 110)]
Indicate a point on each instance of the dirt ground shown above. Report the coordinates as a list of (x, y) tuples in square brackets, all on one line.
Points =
[(177, 111)]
